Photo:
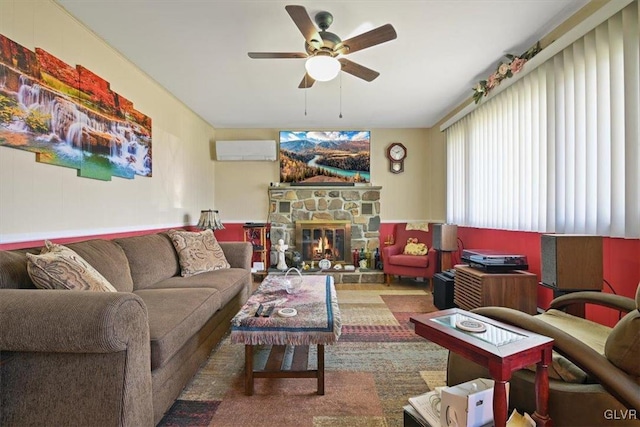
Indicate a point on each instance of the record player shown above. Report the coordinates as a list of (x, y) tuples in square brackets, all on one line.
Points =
[(493, 261)]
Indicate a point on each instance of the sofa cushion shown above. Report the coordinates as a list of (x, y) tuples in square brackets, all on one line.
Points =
[(175, 315), (147, 270), (109, 259), (229, 282), (590, 333), (13, 269), (419, 261), (623, 344), (198, 252), (401, 234), (58, 267)]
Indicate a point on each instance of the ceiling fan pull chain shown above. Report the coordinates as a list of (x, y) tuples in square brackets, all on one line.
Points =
[(340, 116), (305, 94)]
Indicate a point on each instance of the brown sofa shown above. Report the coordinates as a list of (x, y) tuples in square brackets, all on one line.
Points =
[(112, 358)]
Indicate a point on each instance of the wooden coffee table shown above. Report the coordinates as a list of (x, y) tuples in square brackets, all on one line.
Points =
[(502, 349), (317, 322)]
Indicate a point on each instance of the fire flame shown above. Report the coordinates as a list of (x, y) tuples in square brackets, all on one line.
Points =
[(323, 249)]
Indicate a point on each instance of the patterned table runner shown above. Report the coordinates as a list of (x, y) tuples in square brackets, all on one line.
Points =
[(317, 321)]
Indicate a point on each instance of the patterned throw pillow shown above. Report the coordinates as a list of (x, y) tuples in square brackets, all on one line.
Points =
[(58, 267), (415, 248), (421, 226), (198, 252)]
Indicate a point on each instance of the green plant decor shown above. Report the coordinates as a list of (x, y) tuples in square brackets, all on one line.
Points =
[(504, 70)]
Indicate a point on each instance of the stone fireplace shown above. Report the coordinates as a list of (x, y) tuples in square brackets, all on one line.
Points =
[(329, 215)]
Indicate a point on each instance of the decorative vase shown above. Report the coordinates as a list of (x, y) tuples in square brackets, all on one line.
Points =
[(296, 259), (292, 283)]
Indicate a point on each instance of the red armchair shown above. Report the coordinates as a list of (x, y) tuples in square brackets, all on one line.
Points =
[(397, 264)]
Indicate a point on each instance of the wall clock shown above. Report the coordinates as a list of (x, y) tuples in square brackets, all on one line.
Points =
[(396, 153)]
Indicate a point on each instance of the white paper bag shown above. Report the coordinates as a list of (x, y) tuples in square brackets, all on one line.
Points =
[(468, 404)]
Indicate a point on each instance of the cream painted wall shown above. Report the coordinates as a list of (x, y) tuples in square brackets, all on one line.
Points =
[(416, 194), (437, 163), (42, 201)]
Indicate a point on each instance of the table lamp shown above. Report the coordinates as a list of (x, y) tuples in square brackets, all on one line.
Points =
[(209, 219)]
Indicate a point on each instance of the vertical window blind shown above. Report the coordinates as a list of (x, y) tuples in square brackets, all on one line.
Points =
[(558, 151)]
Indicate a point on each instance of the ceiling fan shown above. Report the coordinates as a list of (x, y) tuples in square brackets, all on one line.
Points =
[(325, 51)]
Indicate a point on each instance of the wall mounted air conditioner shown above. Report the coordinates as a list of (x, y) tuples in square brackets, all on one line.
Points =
[(262, 150)]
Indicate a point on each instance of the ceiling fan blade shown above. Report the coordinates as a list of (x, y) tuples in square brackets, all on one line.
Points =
[(368, 39), (305, 25), (268, 55), (358, 70), (307, 82)]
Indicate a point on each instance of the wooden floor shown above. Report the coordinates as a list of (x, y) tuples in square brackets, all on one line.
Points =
[(404, 283)]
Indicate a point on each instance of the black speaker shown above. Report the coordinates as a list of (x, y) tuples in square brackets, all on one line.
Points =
[(443, 290), (571, 261)]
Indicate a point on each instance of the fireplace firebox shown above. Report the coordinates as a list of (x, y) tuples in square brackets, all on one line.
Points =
[(318, 240)]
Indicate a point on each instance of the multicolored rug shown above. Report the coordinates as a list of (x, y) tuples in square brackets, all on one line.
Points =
[(377, 364)]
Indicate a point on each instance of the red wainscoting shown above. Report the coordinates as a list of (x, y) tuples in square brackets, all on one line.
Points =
[(231, 233), (621, 262)]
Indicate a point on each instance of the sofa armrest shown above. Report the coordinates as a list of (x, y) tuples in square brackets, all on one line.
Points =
[(615, 302), (66, 355), (433, 256), (396, 249), (238, 254), (433, 266), (68, 321), (613, 379)]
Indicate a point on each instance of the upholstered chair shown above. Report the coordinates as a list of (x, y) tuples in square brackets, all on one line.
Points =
[(397, 263), (595, 374)]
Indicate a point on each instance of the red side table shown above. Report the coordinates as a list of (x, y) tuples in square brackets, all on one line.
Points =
[(501, 348)]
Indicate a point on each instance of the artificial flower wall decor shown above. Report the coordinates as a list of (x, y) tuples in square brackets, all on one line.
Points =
[(505, 70)]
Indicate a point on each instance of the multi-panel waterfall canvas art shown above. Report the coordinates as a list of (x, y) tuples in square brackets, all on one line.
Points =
[(69, 116)]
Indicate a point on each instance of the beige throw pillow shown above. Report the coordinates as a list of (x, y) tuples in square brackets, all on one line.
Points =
[(421, 226), (58, 267), (198, 252)]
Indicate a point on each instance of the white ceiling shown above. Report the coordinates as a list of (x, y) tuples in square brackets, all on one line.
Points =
[(197, 49)]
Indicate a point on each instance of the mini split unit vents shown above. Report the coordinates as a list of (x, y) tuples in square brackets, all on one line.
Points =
[(262, 150)]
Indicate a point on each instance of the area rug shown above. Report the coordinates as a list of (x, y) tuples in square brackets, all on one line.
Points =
[(377, 364)]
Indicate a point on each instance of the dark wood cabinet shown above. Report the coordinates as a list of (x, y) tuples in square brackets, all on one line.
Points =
[(474, 288)]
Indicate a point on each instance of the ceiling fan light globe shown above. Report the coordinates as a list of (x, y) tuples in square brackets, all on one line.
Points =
[(322, 68)]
